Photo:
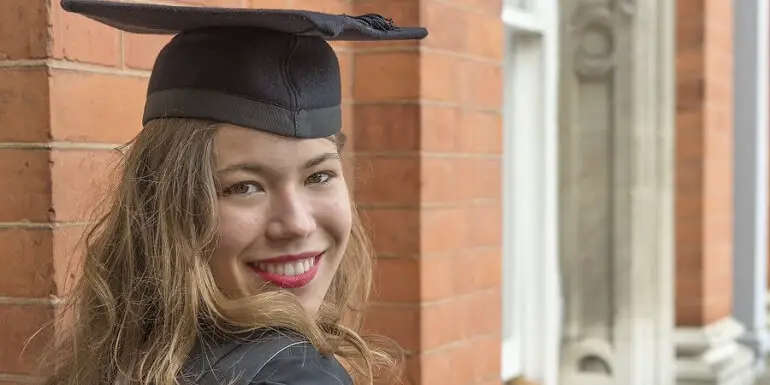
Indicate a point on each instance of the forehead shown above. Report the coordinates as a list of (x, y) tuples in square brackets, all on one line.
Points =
[(233, 144)]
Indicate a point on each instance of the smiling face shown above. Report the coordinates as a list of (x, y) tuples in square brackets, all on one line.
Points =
[(284, 214)]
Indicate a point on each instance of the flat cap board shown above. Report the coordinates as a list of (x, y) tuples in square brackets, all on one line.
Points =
[(267, 69)]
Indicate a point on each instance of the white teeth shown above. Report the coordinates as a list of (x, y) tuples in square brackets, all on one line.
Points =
[(288, 268)]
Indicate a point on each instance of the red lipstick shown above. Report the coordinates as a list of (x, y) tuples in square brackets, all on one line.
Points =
[(277, 275)]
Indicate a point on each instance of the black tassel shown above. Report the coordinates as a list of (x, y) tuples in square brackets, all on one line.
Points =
[(377, 22)]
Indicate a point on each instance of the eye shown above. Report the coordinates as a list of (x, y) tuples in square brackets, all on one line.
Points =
[(320, 177), (243, 188)]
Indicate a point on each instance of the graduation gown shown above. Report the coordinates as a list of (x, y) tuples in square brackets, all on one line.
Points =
[(271, 358)]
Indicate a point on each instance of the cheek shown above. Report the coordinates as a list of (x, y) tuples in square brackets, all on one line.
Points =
[(237, 229), (336, 219)]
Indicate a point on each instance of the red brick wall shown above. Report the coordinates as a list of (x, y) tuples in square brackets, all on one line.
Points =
[(704, 162), (428, 131), (426, 128)]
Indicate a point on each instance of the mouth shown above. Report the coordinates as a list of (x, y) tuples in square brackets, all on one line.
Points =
[(289, 271)]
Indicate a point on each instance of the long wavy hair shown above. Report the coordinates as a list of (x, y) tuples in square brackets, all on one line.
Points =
[(146, 291)]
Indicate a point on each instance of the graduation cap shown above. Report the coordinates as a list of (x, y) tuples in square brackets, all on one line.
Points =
[(266, 69)]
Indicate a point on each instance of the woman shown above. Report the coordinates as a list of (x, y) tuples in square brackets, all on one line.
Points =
[(230, 251)]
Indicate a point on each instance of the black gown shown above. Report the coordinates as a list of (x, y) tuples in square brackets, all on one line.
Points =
[(269, 358)]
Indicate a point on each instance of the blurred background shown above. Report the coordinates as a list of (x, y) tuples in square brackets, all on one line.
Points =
[(560, 192)]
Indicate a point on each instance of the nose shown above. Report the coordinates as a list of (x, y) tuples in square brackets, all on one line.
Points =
[(291, 217)]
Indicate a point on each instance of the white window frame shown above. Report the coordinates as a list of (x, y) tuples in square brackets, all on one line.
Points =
[(531, 283)]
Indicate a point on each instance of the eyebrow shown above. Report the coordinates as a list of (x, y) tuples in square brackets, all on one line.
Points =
[(257, 168)]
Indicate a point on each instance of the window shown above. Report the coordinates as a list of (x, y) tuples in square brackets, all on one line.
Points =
[(531, 305)]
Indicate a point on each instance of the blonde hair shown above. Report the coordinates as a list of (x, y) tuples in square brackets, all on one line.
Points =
[(146, 288)]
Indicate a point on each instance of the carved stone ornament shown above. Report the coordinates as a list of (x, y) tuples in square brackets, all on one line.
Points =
[(594, 44)]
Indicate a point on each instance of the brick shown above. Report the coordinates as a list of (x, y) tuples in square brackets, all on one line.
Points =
[(718, 309), (382, 76), (719, 279), (455, 129), (689, 258), (486, 358), (442, 129), (114, 106), (487, 268), (345, 58), (436, 331), (718, 228), (140, 51), (693, 9), (24, 113), (25, 29), (388, 127), (690, 136), (437, 222), (388, 180), (689, 288), (485, 36), (76, 38), (463, 272), (689, 220), (80, 181), (326, 6), (491, 7), (26, 195), (394, 231), (348, 124), (690, 34), (481, 132), (437, 277), (704, 163), (480, 84), (487, 225), (17, 356), (690, 94), (454, 180), (440, 77), (447, 25), (403, 12), (400, 323), (406, 288), (687, 316), (67, 258), (452, 366), (690, 178), (485, 313), (690, 64), (27, 268), (486, 174), (445, 180)]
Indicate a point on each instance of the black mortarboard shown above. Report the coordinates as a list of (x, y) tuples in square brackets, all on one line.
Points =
[(266, 69)]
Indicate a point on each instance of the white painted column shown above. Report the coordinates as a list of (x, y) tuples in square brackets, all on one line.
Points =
[(750, 44), (531, 284)]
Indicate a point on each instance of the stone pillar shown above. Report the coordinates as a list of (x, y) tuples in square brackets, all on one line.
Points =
[(750, 173), (617, 115), (428, 127), (707, 351)]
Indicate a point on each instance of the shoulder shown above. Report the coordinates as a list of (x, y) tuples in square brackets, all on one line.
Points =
[(269, 358), (300, 363)]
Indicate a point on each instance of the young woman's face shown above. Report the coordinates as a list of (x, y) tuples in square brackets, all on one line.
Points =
[(285, 215)]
